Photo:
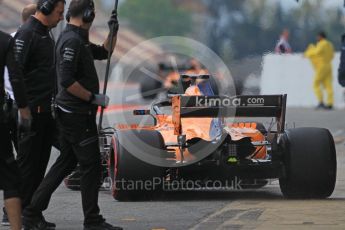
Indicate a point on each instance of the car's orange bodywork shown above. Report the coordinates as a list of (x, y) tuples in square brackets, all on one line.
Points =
[(170, 126)]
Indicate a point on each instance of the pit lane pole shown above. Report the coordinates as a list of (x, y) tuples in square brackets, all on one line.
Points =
[(107, 68)]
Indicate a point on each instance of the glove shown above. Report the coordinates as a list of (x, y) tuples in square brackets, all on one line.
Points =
[(24, 119), (100, 100), (113, 23)]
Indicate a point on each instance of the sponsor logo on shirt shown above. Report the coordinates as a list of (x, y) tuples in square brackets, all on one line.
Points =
[(68, 54)]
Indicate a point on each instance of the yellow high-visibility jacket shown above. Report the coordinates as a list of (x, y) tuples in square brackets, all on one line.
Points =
[(320, 55)]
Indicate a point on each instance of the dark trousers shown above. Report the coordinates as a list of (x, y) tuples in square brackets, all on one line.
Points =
[(9, 173), (12, 117), (78, 144), (34, 152)]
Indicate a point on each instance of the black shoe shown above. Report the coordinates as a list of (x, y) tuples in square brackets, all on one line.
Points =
[(102, 226), (38, 224), (5, 221), (320, 106), (328, 107), (35, 225), (50, 225)]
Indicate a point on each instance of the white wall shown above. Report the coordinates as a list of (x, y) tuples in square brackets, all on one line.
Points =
[(293, 75)]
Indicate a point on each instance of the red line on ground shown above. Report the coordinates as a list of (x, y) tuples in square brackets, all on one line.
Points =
[(118, 108)]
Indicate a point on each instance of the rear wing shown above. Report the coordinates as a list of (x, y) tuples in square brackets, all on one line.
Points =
[(165, 67), (223, 106)]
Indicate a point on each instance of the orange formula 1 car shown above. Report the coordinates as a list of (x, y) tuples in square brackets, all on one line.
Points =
[(192, 146)]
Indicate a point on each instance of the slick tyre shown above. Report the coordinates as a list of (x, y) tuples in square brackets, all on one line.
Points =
[(309, 157), (127, 170)]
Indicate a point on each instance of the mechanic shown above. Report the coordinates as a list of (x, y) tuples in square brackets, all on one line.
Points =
[(9, 172), (10, 104), (34, 55), (77, 100), (321, 57)]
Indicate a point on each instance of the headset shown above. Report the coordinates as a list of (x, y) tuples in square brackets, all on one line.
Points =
[(88, 13), (47, 7)]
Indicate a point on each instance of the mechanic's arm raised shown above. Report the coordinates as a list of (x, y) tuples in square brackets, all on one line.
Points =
[(113, 24), (101, 52)]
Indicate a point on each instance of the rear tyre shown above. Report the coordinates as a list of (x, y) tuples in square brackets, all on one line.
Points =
[(128, 172), (310, 159)]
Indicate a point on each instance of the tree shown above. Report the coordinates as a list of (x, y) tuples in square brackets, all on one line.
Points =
[(312, 18), (252, 27), (223, 16), (154, 18)]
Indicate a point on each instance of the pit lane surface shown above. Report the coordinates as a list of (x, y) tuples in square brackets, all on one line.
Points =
[(251, 209)]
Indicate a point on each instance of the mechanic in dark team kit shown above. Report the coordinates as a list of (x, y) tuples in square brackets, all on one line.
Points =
[(77, 100), (34, 55), (28, 11), (11, 107), (9, 172)]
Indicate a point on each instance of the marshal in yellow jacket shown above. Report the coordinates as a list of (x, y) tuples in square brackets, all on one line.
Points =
[(321, 56)]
